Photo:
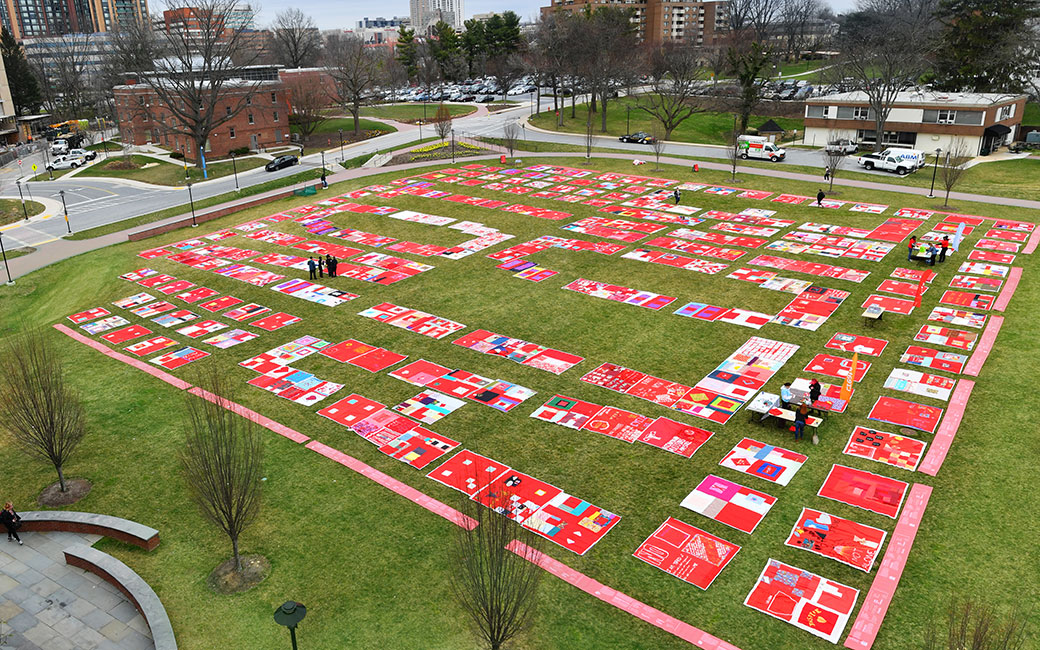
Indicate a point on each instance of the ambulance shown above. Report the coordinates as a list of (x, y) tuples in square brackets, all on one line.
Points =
[(756, 146)]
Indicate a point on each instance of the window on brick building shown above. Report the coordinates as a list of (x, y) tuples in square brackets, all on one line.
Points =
[(276, 116), (231, 133), (274, 98), (227, 109), (251, 119)]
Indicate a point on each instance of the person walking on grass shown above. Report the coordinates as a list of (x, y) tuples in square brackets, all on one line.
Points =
[(910, 246), (12, 522), (312, 266), (826, 174), (819, 198), (944, 246), (800, 416), (677, 194)]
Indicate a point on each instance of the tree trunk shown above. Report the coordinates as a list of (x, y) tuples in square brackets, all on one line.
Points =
[(573, 113), (355, 110), (879, 126), (831, 186), (592, 101), (603, 117), (234, 549), (61, 474)]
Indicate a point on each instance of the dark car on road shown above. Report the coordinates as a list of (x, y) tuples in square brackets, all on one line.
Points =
[(281, 162), (639, 138)]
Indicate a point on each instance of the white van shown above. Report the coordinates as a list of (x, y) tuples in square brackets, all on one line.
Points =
[(915, 156), (757, 146)]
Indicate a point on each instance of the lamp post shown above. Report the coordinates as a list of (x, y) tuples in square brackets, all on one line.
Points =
[(24, 211), (341, 145), (234, 169), (64, 207), (935, 168), (191, 199), (4, 253), (628, 118), (453, 146), (47, 164), (289, 614)]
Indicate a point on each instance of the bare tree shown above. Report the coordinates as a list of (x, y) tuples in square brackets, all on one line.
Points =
[(309, 99), (589, 138), (510, 136), (971, 626), (298, 38), (884, 50), (750, 65), (676, 71), (834, 159), (733, 149), (356, 72), (442, 122), (657, 144), (506, 69), (222, 459), (753, 18), (72, 84), (953, 166), (193, 67), (497, 588), (37, 406), (795, 23)]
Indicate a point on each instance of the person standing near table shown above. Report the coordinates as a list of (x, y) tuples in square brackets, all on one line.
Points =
[(800, 416), (786, 396), (932, 252), (814, 391), (944, 245), (911, 245), (11, 521)]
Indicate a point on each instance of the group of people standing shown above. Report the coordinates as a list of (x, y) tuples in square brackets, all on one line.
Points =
[(941, 250), (322, 265), (12, 522)]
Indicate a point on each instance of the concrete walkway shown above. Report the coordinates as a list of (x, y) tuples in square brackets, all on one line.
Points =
[(46, 604), (63, 249)]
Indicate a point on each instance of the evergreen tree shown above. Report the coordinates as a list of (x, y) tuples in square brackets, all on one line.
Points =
[(25, 89), (985, 45), (474, 46), (406, 52)]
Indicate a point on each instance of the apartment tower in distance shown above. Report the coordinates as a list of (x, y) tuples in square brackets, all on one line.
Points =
[(426, 13), (661, 21), (39, 18)]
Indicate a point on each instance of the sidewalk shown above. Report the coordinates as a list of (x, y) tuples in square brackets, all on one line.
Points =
[(63, 249)]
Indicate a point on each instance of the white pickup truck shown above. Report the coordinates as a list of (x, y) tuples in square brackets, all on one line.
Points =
[(900, 161)]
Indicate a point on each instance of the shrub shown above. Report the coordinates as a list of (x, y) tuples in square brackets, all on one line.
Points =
[(241, 151), (176, 155)]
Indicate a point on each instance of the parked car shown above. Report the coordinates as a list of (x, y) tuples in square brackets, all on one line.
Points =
[(638, 137), (59, 147), (281, 162), (65, 162), (843, 146), (82, 153)]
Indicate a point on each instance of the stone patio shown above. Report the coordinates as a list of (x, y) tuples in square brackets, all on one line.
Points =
[(48, 605)]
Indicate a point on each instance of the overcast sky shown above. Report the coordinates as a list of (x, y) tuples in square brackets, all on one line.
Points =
[(339, 14)]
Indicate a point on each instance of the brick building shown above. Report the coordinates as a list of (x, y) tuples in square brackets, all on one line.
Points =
[(661, 21), (262, 122), (921, 120)]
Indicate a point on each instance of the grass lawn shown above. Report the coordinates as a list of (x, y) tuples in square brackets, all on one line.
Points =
[(1018, 179), (151, 170), (46, 176), (707, 127), (370, 565), (334, 125), (789, 69), (1031, 116), (11, 210), (414, 111)]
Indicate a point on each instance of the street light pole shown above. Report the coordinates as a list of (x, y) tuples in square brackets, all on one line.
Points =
[(191, 199), (453, 146), (935, 168), (341, 145), (234, 168), (628, 119), (4, 253), (64, 207), (24, 211), (289, 614)]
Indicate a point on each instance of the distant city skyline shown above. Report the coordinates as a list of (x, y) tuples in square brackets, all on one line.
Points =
[(330, 14)]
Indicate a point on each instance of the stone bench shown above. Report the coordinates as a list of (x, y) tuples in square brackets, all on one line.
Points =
[(131, 585), (124, 530)]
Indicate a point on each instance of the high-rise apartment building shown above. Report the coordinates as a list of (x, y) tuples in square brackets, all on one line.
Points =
[(659, 21), (39, 18), (426, 13)]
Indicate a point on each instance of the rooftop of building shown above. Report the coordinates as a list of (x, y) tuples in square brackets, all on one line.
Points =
[(923, 97)]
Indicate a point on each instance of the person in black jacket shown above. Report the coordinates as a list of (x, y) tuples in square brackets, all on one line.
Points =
[(11, 521), (814, 391), (800, 416)]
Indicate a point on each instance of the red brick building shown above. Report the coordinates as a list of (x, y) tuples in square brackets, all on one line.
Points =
[(262, 122)]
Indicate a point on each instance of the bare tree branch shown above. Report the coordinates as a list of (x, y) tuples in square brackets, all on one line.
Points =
[(37, 406), (356, 72), (299, 40), (952, 167), (677, 72), (222, 459)]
